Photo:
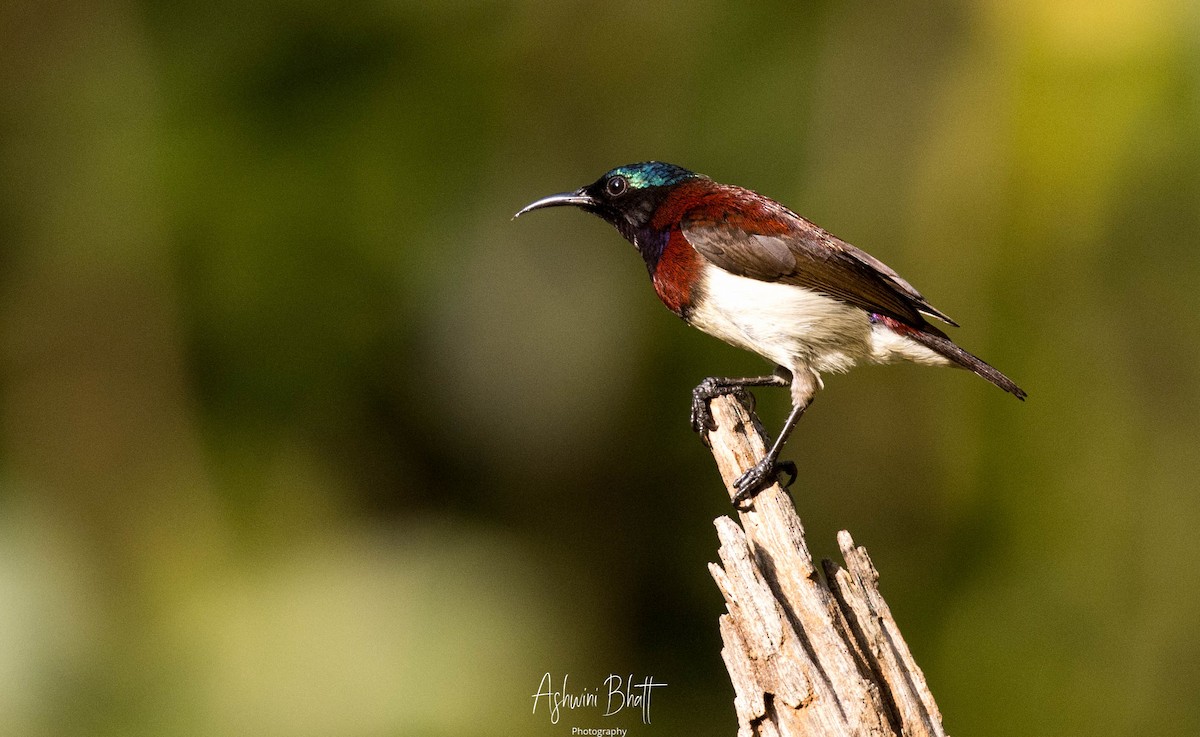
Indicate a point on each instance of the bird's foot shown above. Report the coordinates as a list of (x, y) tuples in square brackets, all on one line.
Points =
[(760, 476), (708, 390)]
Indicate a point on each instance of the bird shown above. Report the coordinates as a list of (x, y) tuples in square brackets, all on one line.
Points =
[(746, 269)]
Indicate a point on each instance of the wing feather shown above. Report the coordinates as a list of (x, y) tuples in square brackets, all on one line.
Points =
[(771, 243)]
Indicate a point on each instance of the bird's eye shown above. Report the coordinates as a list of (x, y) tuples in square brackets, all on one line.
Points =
[(616, 186)]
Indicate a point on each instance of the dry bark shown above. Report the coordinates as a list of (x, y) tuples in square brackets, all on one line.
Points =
[(809, 652)]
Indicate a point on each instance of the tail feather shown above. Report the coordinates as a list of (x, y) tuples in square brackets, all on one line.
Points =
[(942, 345)]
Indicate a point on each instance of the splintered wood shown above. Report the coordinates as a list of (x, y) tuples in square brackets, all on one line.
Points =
[(808, 654)]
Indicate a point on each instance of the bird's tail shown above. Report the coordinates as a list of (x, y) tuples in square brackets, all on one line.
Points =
[(942, 345)]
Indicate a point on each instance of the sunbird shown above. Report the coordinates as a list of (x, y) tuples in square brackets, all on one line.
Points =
[(745, 269)]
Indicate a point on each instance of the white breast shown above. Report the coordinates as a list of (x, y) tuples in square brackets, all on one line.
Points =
[(792, 326), (797, 328)]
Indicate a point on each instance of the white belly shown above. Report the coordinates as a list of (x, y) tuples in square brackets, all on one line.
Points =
[(797, 328), (792, 326)]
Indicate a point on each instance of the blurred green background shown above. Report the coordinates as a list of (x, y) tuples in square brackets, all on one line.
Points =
[(301, 435)]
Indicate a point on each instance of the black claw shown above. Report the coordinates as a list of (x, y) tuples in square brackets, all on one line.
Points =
[(760, 476), (702, 418), (712, 387)]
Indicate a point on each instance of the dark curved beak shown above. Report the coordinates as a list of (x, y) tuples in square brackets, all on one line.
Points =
[(578, 198)]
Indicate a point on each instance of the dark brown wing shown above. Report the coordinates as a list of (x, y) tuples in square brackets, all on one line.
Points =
[(775, 244)]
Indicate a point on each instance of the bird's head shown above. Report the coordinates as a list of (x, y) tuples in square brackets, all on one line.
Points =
[(626, 196)]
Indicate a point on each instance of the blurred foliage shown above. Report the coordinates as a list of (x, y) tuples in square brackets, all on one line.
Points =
[(302, 436)]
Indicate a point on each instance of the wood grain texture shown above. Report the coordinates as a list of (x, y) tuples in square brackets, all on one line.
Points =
[(809, 652)]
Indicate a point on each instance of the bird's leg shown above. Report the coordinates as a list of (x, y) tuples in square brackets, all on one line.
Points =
[(763, 473), (711, 387)]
